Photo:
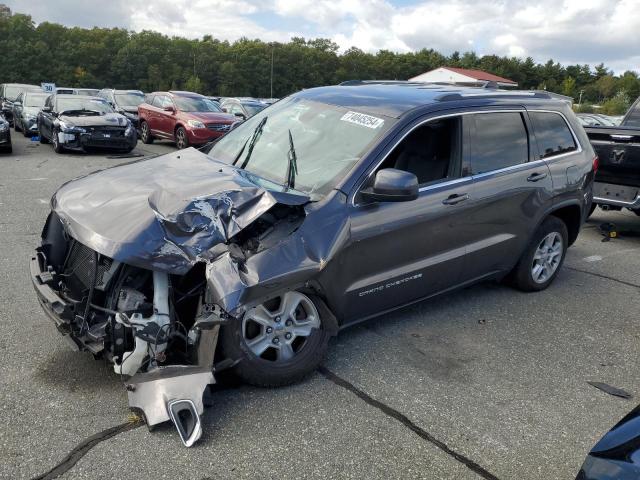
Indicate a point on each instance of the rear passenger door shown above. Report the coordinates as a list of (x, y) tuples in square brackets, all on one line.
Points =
[(511, 192)]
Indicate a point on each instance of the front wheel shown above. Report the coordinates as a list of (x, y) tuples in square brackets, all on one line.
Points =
[(145, 133), (541, 261), (182, 141), (15, 125), (278, 342), (55, 140)]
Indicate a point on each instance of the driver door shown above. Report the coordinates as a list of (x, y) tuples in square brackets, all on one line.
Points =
[(405, 251)]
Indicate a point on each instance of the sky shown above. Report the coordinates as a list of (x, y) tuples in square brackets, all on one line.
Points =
[(569, 31)]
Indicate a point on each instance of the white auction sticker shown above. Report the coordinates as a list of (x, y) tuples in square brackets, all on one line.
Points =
[(362, 119)]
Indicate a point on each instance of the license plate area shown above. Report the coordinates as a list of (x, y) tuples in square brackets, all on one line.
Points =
[(615, 192)]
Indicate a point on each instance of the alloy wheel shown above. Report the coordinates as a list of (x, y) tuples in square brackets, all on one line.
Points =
[(277, 330), (181, 140), (547, 257), (145, 131)]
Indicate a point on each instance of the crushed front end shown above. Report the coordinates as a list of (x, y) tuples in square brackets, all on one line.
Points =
[(144, 322)]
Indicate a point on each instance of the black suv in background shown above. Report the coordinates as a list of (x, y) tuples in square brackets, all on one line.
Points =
[(8, 94), (76, 122), (332, 206), (124, 102)]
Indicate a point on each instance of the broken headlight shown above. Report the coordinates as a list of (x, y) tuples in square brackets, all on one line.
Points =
[(70, 128)]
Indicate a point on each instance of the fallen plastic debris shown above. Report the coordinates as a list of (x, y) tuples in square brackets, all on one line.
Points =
[(608, 230), (616, 392)]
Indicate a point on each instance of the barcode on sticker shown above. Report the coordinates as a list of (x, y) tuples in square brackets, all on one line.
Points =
[(362, 119)]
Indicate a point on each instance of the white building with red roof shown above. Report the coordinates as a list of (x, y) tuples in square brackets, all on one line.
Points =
[(462, 76)]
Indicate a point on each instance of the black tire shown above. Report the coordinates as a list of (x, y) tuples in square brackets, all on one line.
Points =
[(8, 149), (182, 140), (261, 372), (145, 133), (57, 147), (15, 126), (592, 209), (43, 139), (521, 277)]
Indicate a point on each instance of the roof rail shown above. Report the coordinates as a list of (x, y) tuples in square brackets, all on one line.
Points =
[(482, 93), (351, 83)]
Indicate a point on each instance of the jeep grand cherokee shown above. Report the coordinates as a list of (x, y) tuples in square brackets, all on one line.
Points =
[(334, 205)]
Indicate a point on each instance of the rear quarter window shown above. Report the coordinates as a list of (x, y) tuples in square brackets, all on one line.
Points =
[(633, 117), (500, 141), (552, 134)]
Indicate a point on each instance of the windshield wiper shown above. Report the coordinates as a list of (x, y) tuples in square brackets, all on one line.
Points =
[(257, 133), (292, 167)]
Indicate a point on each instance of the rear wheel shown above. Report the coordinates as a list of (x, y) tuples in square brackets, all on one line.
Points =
[(279, 342), (541, 261), (43, 139), (182, 141), (145, 133), (15, 125)]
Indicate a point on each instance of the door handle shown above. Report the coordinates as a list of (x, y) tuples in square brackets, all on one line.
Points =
[(455, 199), (534, 177)]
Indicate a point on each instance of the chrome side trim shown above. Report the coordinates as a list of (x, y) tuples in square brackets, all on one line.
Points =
[(618, 203)]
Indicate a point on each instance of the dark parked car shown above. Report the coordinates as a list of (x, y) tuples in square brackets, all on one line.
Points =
[(617, 183), (243, 108), (332, 206), (8, 94), (74, 122), (186, 118), (25, 112), (616, 456), (125, 102), (5, 135)]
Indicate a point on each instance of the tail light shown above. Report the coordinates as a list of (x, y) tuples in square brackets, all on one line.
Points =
[(596, 164)]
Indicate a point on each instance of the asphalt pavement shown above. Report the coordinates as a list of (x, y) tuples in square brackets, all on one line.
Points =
[(487, 382)]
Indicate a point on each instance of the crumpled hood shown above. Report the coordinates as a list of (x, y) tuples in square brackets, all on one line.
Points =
[(107, 120), (165, 213)]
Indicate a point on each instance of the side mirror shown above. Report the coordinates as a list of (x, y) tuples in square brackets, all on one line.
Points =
[(169, 109), (46, 109), (392, 185), (240, 115)]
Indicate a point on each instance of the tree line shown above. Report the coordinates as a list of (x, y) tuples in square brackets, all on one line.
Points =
[(149, 61)]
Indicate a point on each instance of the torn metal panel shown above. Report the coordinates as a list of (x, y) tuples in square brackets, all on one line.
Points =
[(165, 213), (295, 260), (152, 391)]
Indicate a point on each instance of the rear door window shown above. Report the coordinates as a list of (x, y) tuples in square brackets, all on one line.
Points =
[(552, 134), (158, 101), (499, 140)]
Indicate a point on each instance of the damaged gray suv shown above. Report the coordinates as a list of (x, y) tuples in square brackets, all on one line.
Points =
[(332, 206)]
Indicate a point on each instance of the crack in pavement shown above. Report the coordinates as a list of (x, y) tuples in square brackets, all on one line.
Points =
[(83, 448), (601, 275), (395, 414)]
